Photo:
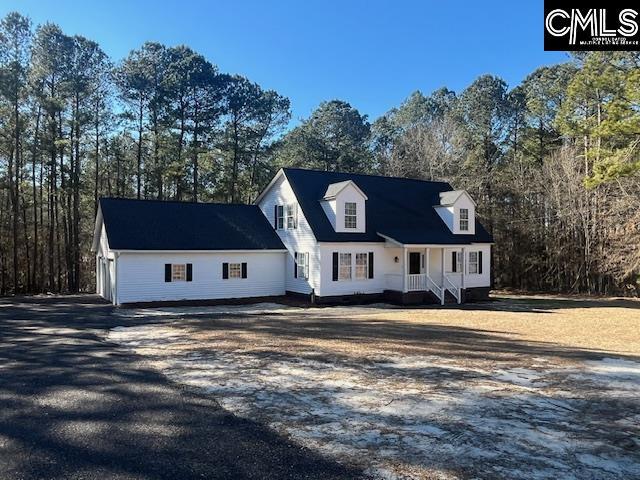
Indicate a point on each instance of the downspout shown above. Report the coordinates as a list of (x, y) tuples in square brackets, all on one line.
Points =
[(116, 300)]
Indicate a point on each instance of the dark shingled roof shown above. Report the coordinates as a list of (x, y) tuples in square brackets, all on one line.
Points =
[(399, 208), (159, 225)]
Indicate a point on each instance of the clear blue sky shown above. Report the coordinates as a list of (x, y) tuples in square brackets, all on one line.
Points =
[(372, 54)]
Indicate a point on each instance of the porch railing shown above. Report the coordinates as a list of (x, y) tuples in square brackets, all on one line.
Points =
[(453, 288), (416, 282), (423, 282), (436, 289)]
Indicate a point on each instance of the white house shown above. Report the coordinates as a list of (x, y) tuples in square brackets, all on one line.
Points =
[(154, 251), (324, 236)]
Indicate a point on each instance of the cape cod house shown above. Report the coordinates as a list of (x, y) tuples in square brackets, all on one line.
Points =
[(323, 235)]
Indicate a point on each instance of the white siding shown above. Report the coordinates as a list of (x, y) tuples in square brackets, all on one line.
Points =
[(471, 279), (105, 267), (300, 239), (435, 265), (464, 201), (141, 276), (451, 214), (483, 279), (383, 264), (335, 210), (329, 207), (446, 214), (351, 194)]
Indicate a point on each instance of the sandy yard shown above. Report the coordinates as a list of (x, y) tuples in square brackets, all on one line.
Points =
[(518, 388)]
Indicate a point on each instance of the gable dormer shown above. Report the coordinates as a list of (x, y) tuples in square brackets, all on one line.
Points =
[(458, 210), (344, 203)]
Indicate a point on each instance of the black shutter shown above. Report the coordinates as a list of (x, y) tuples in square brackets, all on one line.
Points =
[(225, 271), (454, 262), (167, 272), (370, 264), (295, 264), (275, 217), (189, 272), (480, 262), (335, 266), (244, 270)]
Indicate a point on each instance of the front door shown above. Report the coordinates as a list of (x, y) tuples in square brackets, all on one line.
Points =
[(414, 263)]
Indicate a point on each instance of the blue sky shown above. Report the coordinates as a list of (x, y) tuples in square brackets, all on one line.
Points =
[(372, 54)]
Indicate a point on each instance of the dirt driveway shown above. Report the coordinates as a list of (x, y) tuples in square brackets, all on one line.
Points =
[(524, 387)]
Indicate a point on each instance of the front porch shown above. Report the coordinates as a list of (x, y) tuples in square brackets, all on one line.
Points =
[(430, 269)]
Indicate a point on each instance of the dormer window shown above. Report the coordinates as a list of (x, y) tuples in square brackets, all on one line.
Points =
[(350, 215), (458, 210), (464, 219), (343, 203)]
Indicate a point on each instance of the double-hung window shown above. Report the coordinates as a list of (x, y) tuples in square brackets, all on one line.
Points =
[(178, 272), (235, 270), (362, 266), (473, 262), (350, 215), (344, 270), (280, 217), (303, 264), (464, 219), (291, 216)]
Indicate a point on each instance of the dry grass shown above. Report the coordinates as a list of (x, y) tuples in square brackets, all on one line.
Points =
[(604, 325), (426, 392), (497, 330)]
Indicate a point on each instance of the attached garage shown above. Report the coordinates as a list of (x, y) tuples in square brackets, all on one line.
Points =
[(156, 251)]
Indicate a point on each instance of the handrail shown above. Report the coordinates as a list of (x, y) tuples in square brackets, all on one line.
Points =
[(453, 288), (436, 289)]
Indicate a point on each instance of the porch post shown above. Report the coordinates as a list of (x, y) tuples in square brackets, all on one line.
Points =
[(426, 263), (442, 265), (405, 271), (464, 266)]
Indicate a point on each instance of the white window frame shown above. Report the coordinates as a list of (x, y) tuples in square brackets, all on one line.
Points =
[(362, 269), (344, 266), (473, 263), (178, 272), (291, 216), (303, 265), (235, 271), (464, 220), (350, 219), (280, 218), (458, 263)]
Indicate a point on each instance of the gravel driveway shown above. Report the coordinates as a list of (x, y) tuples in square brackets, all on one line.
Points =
[(74, 406), (516, 389)]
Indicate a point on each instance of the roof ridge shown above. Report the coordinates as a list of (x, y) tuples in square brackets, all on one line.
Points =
[(154, 200), (367, 175)]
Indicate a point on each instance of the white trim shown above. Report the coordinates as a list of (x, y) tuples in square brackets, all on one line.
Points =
[(389, 239), (97, 230), (202, 251), (460, 193), (351, 243), (345, 183), (268, 187), (425, 245)]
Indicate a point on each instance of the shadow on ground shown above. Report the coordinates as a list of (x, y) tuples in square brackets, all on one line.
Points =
[(421, 397), (75, 406)]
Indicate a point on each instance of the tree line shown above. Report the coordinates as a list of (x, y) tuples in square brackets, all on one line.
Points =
[(553, 162)]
